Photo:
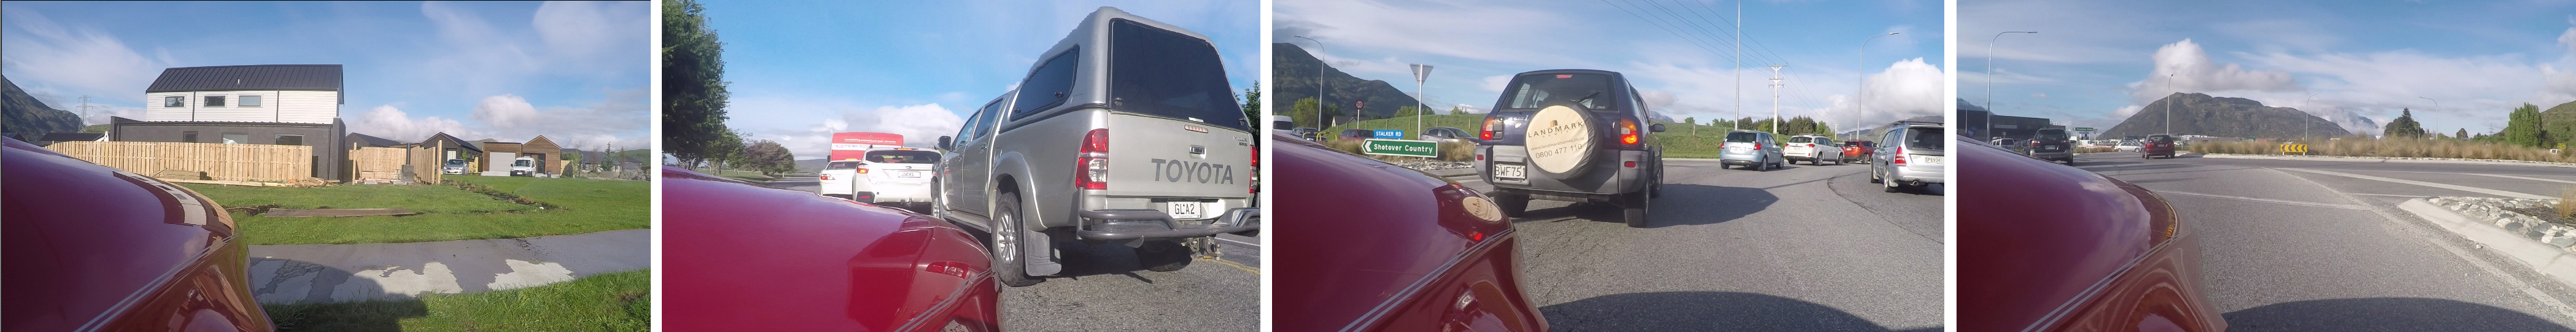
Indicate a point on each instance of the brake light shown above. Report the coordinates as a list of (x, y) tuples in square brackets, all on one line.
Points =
[(863, 171), (1091, 165), (1628, 131), (1632, 164), (1491, 125), (827, 176), (1900, 157), (1256, 164), (1757, 146)]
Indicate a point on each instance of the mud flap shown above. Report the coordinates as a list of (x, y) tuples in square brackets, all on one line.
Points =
[(1037, 260)]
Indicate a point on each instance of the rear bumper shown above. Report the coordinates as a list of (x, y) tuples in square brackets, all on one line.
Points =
[(902, 192), (1123, 224), (1917, 174), (1604, 177)]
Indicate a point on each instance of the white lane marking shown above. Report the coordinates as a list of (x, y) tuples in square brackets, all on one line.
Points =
[(2391, 195), (2268, 200), (2491, 192), (2426, 235), (2522, 177), (1247, 244)]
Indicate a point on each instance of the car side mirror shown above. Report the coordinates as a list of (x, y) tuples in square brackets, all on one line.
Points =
[(1655, 127), (946, 144)]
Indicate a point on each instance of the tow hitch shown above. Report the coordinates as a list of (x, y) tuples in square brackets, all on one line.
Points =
[(1203, 247)]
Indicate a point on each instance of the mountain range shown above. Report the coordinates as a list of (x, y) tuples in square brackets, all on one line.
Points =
[(28, 118), (1293, 70), (2202, 114)]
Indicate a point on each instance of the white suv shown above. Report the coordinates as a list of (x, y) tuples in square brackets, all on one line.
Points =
[(1811, 148)]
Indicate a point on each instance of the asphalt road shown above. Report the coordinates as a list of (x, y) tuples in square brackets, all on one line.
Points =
[(1806, 248), (2319, 244), (1104, 289)]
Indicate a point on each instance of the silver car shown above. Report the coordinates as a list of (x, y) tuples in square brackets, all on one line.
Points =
[(1754, 150), (1910, 155), (1124, 132)]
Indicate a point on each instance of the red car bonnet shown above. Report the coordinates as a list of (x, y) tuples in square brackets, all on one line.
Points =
[(742, 257), (1386, 247), (91, 246), (2041, 243)]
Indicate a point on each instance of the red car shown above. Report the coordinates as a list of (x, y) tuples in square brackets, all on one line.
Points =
[(742, 257), (91, 248), (1397, 249), (2047, 247), (1858, 150), (2157, 145)]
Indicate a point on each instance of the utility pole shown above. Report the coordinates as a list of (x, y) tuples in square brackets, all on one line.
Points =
[(2169, 104), (84, 110), (1739, 60), (2303, 122), (1775, 98), (1320, 122)]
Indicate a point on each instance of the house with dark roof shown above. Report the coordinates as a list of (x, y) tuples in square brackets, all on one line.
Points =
[(255, 104), (357, 140)]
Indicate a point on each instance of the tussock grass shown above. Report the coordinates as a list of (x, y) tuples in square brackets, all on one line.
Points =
[(2395, 148), (2567, 202)]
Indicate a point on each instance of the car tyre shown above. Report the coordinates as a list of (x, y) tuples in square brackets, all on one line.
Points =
[(1888, 185), (1163, 256), (1006, 247), (1513, 205), (1873, 173), (1633, 208)]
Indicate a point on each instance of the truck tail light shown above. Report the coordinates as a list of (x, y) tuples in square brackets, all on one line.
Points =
[(1628, 131), (1091, 165), (1899, 160), (827, 176), (1256, 164), (1491, 125)]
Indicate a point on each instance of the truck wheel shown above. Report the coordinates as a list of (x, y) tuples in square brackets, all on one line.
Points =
[(1007, 246), (1163, 256), (1513, 205), (1633, 208)]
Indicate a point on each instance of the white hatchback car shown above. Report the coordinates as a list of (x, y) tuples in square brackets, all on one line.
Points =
[(885, 176)]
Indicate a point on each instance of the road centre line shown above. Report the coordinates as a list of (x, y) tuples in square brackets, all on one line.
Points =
[(2268, 200), (2491, 192)]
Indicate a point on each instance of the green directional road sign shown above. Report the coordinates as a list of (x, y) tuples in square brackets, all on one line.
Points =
[(1401, 147)]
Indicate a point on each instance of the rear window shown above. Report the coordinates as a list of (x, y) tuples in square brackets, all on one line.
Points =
[(904, 156), (2159, 139), (1282, 125), (1924, 138), (455, 161), (1742, 137), (1801, 139), (1160, 72), (2050, 135), (1534, 91), (521, 162), (841, 165)]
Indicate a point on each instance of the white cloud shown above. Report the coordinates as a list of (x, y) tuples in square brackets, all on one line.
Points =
[(2191, 70), (1496, 83), (621, 118), (1905, 89), (55, 60), (506, 111), (2039, 95), (590, 28), (392, 123)]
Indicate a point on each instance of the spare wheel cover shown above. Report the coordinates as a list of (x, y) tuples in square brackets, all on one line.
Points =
[(1560, 139)]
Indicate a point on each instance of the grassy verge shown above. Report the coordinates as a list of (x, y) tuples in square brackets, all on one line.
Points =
[(446, 212), (2396, 148), (621, 301)]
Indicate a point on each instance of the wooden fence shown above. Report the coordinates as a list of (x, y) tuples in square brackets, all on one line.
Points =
[(236, 162), (378, 163), (426, 163)]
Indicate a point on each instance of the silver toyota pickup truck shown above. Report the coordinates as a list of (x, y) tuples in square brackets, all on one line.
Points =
[(1125, 132)]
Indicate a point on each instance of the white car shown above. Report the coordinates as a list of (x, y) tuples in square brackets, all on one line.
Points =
[(1811, 148), (884, 176), (523, 166), (2126, 146), (454, 167)]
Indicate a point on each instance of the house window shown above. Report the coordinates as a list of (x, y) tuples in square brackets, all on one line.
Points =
[(174, 101), (187, 136), (214, 101), (290, 139), (236, 138), (248, 101)]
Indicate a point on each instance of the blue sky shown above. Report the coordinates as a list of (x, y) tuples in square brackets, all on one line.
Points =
[(577, 72), (2095, 62), (801, 70), (1475, 46)]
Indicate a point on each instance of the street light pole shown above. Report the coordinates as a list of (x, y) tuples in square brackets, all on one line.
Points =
[(1862, 105), (2169, 104), (1990, 67), (1320, 121), (1775, 98), (2303, 122), (2437, 107)]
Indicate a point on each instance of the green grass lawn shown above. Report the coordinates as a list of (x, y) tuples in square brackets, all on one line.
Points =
[(446, 213), (621, 301)]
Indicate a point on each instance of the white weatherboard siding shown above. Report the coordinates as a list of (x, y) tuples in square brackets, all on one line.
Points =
[(152, 110), (308, 106), (317, 107)]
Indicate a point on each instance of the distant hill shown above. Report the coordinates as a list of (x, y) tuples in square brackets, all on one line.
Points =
[(29, 118), (2202, 114), (1293, 70), (2560, 122)]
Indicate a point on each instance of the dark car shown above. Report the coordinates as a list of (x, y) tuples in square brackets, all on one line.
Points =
[(1436, 255), (92, 248), (1358, 134), (1448, 134), (2044, 247), (2050, 144), (742, 257), (1858, 150), (1571, 135), (2157, 145)]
